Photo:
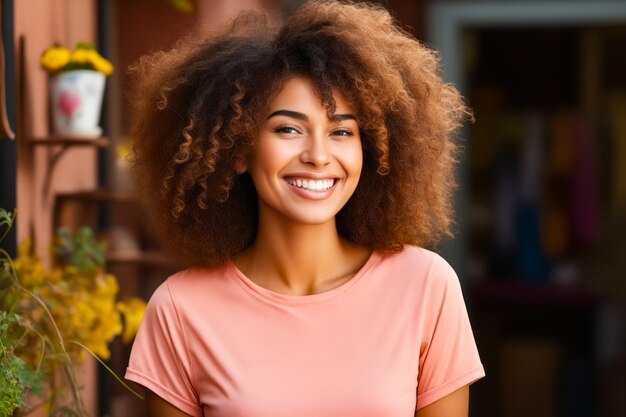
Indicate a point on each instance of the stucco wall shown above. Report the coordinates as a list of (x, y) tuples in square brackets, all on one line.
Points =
[(40, 23)]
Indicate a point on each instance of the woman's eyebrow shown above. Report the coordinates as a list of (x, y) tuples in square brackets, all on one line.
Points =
[(290, 113), (342, 117), (304, 117)]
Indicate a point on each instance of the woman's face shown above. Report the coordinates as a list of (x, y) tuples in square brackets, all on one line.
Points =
[(305, 165)]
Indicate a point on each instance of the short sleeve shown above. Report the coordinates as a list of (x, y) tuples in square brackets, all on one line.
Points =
[(159, 358), (449, 357)]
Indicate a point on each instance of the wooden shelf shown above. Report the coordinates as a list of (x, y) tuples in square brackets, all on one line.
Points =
[(99, 142), (62, 144), (149, 258), (102, 195)]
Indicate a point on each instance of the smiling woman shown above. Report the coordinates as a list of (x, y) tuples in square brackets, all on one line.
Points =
[(298, 171), (300, 143)]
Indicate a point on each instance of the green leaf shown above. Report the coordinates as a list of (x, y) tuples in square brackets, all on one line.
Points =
[(85, 45), (6, 218), (79, 249), (16, 378), (6, 275), (6, 222)]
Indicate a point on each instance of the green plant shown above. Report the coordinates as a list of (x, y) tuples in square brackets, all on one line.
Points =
[(79, 249), (52, 316), (16, 378)]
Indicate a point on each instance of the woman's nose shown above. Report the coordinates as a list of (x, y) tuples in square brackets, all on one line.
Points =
[(316, 151)]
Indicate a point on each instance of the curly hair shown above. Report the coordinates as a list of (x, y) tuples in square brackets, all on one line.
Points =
[(197, 115)]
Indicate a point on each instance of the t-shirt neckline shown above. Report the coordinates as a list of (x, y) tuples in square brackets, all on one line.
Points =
[(295, 300)]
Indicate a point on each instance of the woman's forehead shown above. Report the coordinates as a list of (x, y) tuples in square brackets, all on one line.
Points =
[(299, 91)]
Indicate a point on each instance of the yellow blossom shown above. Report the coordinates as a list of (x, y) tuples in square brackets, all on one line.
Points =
[(106, 286), (29, 268), (81, 56), (67, 308), (132, 311), (85, 56), (123, 151), (103, 65), (82, 303), (55, 58)]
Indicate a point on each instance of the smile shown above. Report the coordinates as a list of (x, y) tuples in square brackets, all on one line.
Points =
[(313, 185)]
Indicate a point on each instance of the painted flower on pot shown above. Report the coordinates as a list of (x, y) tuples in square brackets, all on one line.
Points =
[(68, 103)]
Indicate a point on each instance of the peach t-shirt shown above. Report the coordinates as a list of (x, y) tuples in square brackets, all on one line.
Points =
[(393, 338)]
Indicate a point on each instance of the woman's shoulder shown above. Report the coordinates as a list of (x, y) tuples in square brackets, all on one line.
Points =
[(195, 274), (187, 284), (419, 264), (415, 256)]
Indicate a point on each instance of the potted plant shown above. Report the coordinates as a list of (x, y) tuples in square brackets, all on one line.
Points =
[(77, 79), (52, 318)]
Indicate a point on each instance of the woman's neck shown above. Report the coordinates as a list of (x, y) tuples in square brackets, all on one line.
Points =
[(300, 259)]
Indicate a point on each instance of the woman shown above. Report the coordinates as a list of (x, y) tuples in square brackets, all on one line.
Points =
[(299, 172)]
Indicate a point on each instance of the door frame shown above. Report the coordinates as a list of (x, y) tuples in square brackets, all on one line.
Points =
[(8, 152)]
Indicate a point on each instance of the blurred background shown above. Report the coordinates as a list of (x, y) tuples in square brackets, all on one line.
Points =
[(541, 242)]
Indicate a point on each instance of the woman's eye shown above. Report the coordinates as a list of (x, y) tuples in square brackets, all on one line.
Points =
[(342, 132), (287, 130)]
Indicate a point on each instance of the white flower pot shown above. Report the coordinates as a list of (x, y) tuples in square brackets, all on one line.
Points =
[(76, 101)]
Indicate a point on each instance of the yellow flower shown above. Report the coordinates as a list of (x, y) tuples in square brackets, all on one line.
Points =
[(85, 56), (82, 56), (106, 286), (123, 151), (83, 305), (99, 348), (25, 248), (28, 267), (132, 311), (102, 65), (55, 58), (55, 276)]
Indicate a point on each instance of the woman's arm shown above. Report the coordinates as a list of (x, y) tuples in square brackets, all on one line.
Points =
[(452, 405), (158, 407)]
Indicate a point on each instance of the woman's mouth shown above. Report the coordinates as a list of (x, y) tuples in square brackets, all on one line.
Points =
[(312, 184)]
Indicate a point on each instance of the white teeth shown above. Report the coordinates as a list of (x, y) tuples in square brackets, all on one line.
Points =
[(319, 185)]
